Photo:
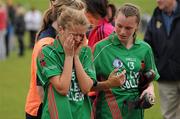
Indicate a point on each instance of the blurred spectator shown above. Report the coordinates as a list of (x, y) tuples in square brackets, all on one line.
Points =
[(111, 11), (19, 28), (33, 24), (9, 38), (163, 35), (3, 19), (96, 13), (144, 22)]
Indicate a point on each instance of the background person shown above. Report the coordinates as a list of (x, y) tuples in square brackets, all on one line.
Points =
[(96, 12), (111, 10), (33, 21), (20, 28), (163, 36), (3, 14), (9, 38)]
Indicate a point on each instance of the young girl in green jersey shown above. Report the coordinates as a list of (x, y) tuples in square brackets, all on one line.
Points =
[(65, 69), (46, 35), (122, 50)]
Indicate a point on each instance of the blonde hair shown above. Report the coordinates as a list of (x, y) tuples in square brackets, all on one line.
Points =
[(55, 10), (70, 17), (75, 4)]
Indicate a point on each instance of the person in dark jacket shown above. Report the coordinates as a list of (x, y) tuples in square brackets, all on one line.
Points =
[(10, 26), (19, 28), (164, 37)]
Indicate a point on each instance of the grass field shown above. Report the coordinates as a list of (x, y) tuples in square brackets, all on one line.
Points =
[(15, 71)]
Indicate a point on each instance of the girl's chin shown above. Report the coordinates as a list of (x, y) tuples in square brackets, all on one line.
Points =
[(121, 38)]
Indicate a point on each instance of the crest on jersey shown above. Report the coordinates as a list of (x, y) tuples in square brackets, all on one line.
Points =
[(117, 63), (41, 57)]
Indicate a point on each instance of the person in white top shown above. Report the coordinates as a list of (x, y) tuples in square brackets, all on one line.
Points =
[(33, 23)]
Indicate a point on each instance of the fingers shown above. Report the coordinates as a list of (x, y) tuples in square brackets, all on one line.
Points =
[(142, 94), (68, 45), (69, 42), (122, 80), (151, 94), (122, 75), (114, 72)]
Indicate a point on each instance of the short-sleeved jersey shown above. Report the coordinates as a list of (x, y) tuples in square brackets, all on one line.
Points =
[(107, 53), (75, 105)]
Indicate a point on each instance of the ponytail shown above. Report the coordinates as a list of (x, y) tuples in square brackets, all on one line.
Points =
[(48, 19)]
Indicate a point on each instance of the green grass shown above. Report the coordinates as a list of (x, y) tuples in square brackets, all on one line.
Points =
[(15, 71), (146, 6), (15, 77), (39, 4)]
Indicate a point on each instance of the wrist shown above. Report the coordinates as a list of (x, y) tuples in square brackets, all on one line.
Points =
[(69, 57), (107, 84), (76, 58)]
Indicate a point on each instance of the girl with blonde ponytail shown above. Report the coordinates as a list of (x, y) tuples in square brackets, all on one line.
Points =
[(45, 36), (66, 70)]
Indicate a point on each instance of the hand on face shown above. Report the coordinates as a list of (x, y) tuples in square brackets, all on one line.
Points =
[(68, 45), (73, 44), (74, 39), (79, 42)]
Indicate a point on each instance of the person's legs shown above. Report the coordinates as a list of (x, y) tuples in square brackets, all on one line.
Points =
[(32, 38), (2, 45), (178, 110), (21, 44), (7, 43), (169, 98)]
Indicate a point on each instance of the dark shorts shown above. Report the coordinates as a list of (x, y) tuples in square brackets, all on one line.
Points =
[(28, 116)]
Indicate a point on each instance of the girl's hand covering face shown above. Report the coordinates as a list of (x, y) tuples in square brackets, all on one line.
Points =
[(74, 39), (68, 45), (79, 42)]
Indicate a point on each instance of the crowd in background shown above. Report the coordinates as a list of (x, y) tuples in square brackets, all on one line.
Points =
[(15, 20)]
